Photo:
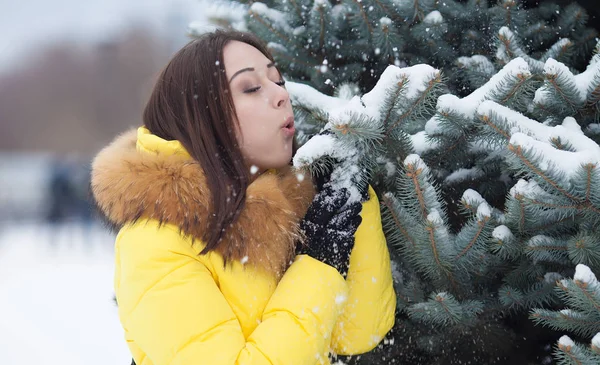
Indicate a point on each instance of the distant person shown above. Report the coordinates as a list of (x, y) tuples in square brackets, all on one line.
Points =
[(68, 192), (224, 253), (61, 193)]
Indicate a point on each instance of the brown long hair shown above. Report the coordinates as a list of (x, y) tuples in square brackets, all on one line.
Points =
[(191, 102)]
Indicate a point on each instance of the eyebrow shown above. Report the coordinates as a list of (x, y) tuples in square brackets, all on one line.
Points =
[(249, 69)]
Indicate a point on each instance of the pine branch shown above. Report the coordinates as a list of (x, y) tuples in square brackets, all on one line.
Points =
[(504, 244), (444, 271), (580, 295), (394, 100), (509, 45), (543, 248), (567, 320), (561, 82), (423, 102), (413, 172), (518, 151), (392, 220), (297, 8), (254, 13), (569, 353), (512, 298), (481, 225), (361, 14)]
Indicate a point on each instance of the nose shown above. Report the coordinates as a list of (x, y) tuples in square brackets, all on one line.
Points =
[(281, 96)]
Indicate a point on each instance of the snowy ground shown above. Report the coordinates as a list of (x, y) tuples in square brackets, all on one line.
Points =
[(56, 296)]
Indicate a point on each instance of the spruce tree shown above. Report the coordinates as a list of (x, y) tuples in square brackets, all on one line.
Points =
[(478, 125), (582, 318)]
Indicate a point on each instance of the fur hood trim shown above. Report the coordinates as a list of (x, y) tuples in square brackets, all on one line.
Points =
[(129, 184)]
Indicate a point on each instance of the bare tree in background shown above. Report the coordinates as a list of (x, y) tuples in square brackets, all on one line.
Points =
[(67, 99)]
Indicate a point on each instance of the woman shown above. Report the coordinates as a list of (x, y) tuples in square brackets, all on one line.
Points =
[(208, 269)]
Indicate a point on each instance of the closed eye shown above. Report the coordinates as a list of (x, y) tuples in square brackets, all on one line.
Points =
[(255, 89)]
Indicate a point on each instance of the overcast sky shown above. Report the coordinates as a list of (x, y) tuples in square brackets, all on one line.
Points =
[(25, 24)]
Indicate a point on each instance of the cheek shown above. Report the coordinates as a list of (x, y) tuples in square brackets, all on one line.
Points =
[(251, 127)]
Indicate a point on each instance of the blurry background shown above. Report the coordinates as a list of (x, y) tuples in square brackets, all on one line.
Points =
[(73, 74)]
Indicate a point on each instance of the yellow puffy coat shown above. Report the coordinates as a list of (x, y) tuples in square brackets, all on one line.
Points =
[(180, 308)]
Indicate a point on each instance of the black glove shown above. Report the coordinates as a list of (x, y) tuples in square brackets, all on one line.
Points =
[(329, 228)]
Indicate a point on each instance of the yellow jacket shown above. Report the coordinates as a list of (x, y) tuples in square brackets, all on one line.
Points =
[(180, 308)]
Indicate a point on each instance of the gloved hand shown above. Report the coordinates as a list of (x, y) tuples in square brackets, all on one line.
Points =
[(329, 226)]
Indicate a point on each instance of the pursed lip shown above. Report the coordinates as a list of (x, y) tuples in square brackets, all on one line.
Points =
[(288, 128), (289, 123)]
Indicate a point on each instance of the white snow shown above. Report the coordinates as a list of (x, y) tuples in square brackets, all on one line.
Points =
[(311, 97), (556, 48), (390, 167), (581, 81), (441, 296), (593, 128), (435, 17), (347, 91), (502, 53), (414, 159), (467, 106), (585, 78), (342, 177), (277, 47), (340, 298), (472, 197), (529, 133), (596, 340), (526, 188), (584, 275), (435, 218), (567, 312), (278, 18), (343, 174), (502, 233), (571, 124), (56, 296), (396, 273), (432, 126), (484, 211), (461, 175), (299, 30), (552, 277), (197, 28), (553, 67), (478, 62), (317, 146), (417, 78), (421, 143), (550, 157), (385, 21), (566, 341), (418, 164), (233, 12)]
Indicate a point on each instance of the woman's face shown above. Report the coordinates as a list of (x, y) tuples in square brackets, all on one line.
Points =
[(262, 105)]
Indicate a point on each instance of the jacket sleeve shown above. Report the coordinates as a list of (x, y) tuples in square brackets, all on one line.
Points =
[(171, 306), (369, 313)]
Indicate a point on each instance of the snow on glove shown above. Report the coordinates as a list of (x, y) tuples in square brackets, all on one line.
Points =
[(329, 226)]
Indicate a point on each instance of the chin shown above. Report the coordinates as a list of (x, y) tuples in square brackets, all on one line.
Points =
[(282, 162)]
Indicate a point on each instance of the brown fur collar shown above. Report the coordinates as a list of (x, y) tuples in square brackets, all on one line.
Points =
[(128, 185)]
